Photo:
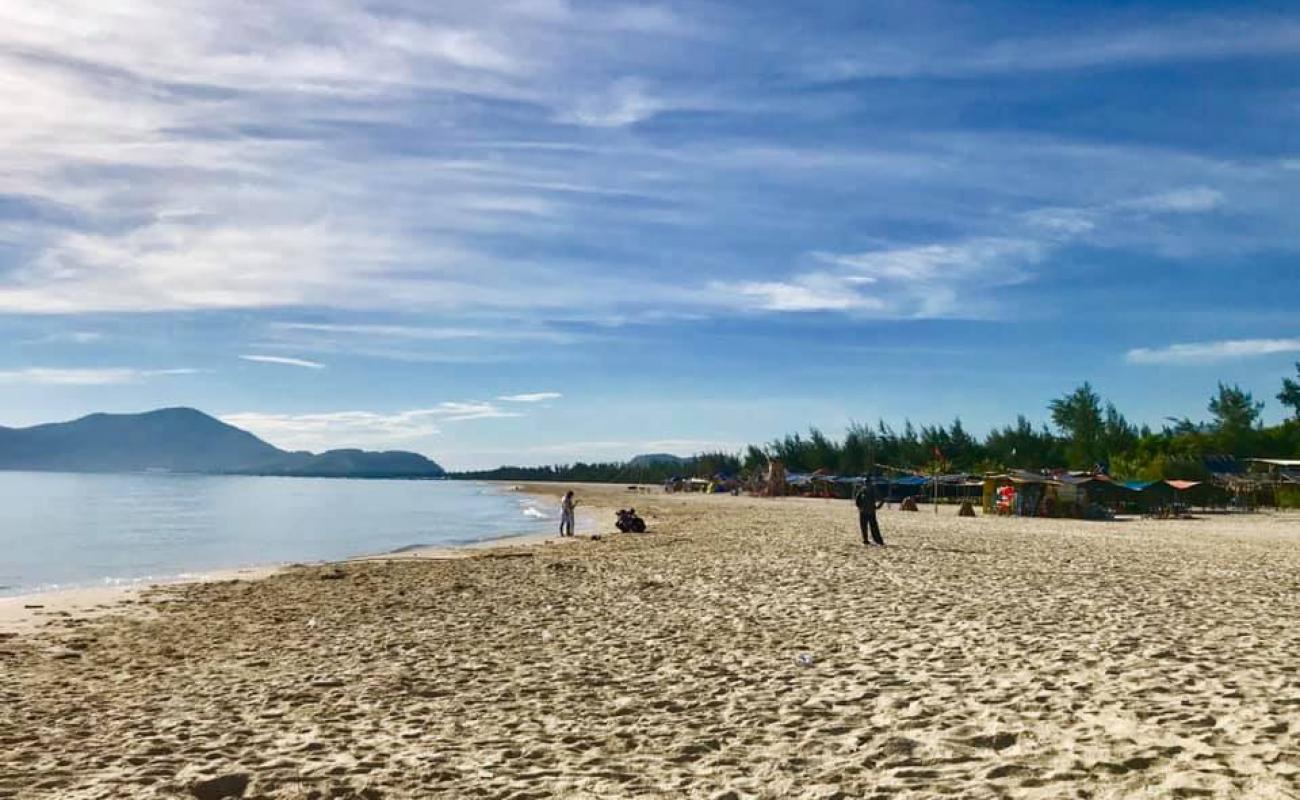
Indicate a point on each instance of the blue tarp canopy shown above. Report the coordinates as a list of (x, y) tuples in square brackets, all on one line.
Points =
[(1138, 486), (910, 480)]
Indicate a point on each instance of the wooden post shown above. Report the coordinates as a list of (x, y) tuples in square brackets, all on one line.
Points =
[(936, 489)]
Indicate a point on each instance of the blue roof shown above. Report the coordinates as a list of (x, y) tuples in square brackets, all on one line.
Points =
[(910, 480)]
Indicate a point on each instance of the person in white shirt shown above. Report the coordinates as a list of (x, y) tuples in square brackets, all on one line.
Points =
[(566, 513)]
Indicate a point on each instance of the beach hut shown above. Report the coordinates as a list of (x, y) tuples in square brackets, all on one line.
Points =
[(1278, 477), (1176, 497), (1020, 493), (1079, 491)]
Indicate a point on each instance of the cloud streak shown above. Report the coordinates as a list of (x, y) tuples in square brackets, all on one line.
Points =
[(532, 397), (284, 361), (911, 281), (334, 429), (1194, 353), (90, 376)]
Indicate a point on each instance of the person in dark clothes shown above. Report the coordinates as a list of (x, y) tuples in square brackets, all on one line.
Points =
[(867, 504)]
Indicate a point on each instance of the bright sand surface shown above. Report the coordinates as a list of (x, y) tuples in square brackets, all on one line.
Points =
[(743, 648)]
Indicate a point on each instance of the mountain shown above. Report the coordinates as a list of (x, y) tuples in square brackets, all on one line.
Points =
[(352, 464), (186, 440), (656, 460)]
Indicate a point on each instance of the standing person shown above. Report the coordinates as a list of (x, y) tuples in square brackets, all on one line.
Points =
[(566, 513), (867, 504)]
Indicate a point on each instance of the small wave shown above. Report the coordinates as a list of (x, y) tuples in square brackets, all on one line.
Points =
[(534, 513)]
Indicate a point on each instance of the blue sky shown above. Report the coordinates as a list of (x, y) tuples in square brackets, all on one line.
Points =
[(541, 230)]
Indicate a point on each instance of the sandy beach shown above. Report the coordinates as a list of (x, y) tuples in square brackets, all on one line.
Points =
[(743, 648)]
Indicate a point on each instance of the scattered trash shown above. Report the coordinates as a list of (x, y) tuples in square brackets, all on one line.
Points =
[(805, 660), (546, 636), (311, 623)]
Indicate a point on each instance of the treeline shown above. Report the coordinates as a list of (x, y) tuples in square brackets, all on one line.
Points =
[(702, 465), (1085, 432)]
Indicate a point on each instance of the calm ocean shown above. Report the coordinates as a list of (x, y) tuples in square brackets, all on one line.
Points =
[(61, 530)]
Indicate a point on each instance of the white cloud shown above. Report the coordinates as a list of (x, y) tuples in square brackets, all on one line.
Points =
[(910, 281), (534, 397), (1194, 200), (72, 337), (404, 157), (1208, 352), (335, 429), (815, 291), (286, 361), (453, 411), (102, 376), (216, 157), (1062, 221), (332, 430), (932, 262), (624, 103)]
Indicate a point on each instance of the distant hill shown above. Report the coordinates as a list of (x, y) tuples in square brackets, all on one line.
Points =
[(186, 440), (656, 460)]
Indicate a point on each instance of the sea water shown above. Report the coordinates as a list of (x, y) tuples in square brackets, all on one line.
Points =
[(61, 530)]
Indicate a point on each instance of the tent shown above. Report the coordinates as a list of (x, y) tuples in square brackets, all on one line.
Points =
[(1082, 491), (1174, 494)]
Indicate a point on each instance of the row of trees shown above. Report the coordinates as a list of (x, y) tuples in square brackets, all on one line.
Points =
[(1086, 432), (704, 464)]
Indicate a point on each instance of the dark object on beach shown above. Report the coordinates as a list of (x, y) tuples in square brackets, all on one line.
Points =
[(629, 522), (226, 786), (908, 504), (966, 510), (868, 504), (335, 575), (33, 605)]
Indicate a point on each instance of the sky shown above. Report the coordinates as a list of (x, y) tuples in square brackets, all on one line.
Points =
[(536, 231)]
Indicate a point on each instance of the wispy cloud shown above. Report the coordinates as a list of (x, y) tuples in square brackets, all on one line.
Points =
[(1193, 200), (533, 397), (97, 376), (443, 333), (240, 155), (334, 429), (1210, 352), (284, 360), (624, 103), (910, 281), (1186, 39)]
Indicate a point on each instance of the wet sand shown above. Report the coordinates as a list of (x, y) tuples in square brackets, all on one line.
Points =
[(743, 648)]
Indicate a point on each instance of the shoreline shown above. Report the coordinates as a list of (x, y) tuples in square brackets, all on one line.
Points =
[(29, 612)]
